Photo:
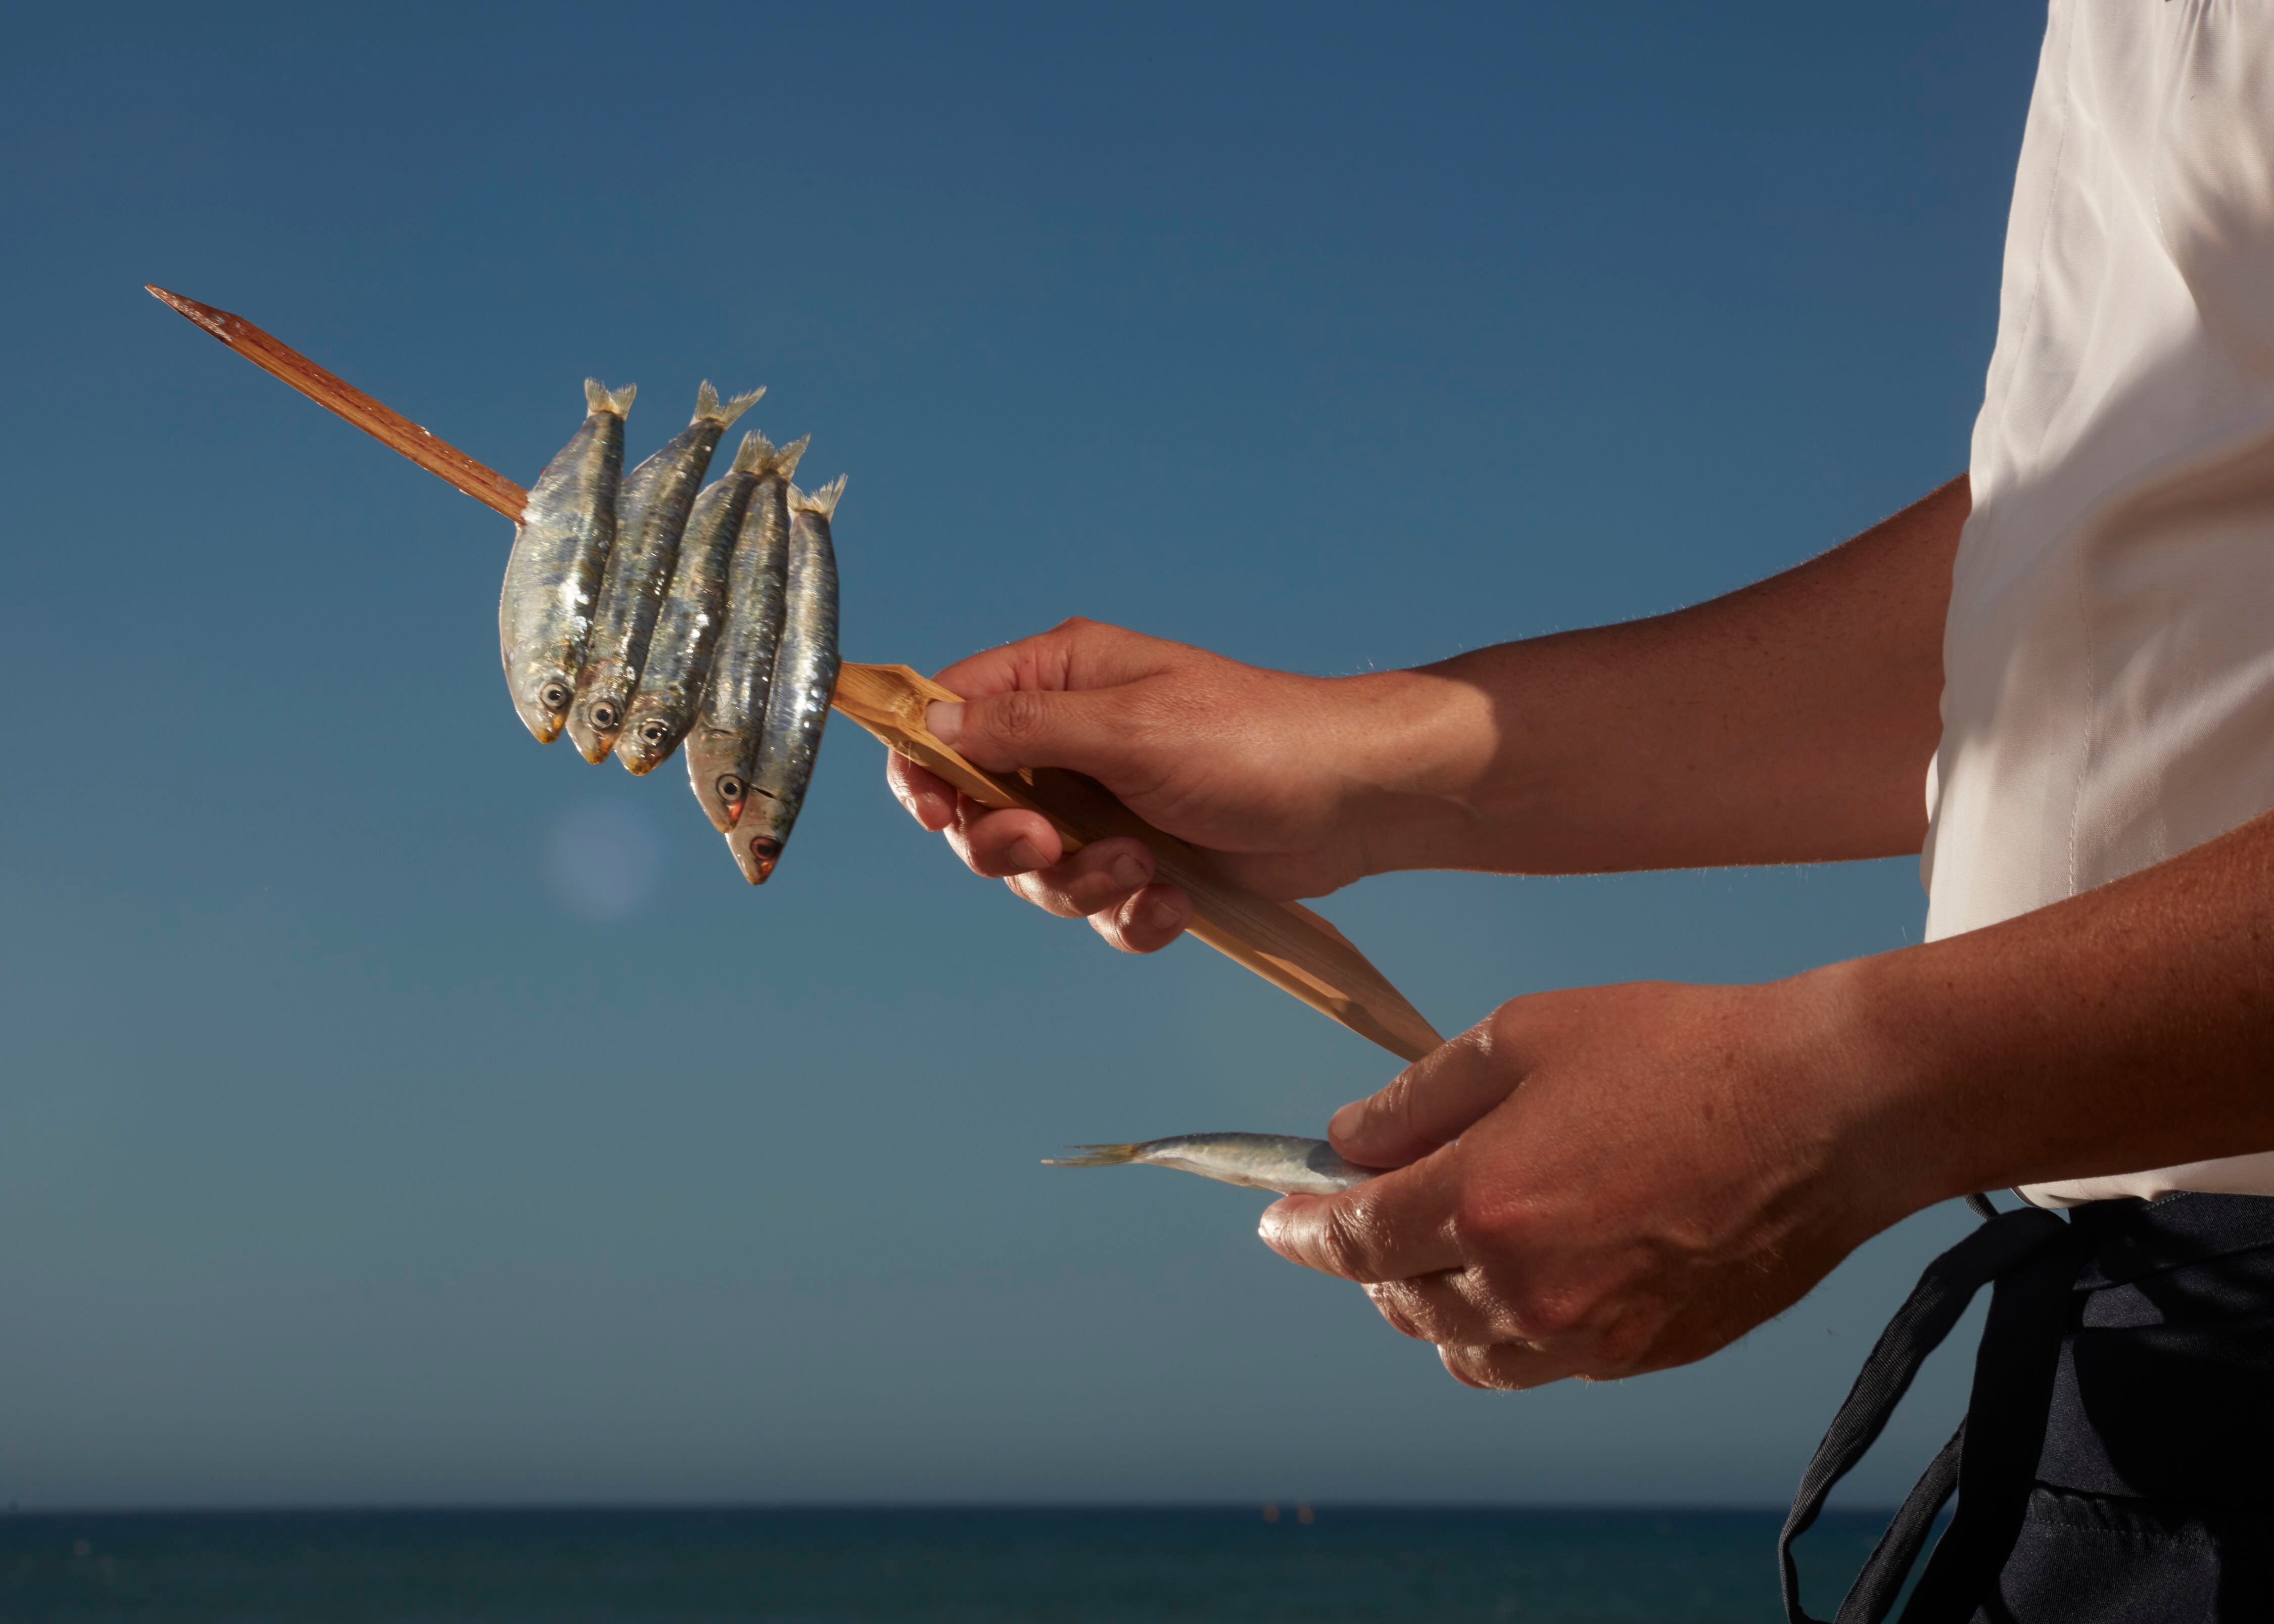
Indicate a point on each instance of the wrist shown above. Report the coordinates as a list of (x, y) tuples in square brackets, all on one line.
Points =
[(1905, 1136), (1410, 748)]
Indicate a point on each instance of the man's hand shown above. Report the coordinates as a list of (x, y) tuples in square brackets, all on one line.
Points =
[(1607, 1181), (1289, 780), (1790, 722)]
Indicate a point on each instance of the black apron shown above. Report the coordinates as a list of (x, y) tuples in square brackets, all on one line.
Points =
[(2116, 1458)]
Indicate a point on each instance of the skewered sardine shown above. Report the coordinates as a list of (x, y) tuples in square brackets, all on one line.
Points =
[(804, 680), (559, 555), (651, 515), (722, 746), (1277, 1162), (679, 654)]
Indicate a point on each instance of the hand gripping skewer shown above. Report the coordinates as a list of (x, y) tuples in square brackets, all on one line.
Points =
[(1284, 942)]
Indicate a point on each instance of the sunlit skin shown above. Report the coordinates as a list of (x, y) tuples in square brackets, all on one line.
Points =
[(1610, 1180)]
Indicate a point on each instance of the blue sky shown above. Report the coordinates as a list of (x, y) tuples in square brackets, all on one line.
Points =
[(395, 1111)]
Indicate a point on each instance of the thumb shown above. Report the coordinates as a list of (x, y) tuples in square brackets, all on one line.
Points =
[(1036, 727), (1431, 1102)]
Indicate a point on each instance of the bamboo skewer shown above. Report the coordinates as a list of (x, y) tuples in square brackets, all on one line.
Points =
[(1284, 942)]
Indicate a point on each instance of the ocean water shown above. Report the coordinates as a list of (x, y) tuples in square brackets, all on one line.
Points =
[(986, 1566)]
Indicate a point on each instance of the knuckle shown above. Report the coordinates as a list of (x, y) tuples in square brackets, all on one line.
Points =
[(1625, 1345), (1392, 1105), (1539, 1311), (1108, 924), (1398, 1307), (1482, 1222), (1550, 1319), (1018, 716), (1406, 1311), (1343, 1240), (1470, 1366), (1033, 888)]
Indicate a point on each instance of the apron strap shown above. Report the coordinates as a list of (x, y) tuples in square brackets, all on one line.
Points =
[(1997, 1249), (1872, 1596), (2006, 1415)]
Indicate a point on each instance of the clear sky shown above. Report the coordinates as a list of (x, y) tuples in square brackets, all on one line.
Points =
[(394, 1110)]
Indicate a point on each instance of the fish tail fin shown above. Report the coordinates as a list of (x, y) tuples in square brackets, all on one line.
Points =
[(600, 397), (785, 459), (1095, 1155), (822, 499), (756, 455), (707, 405)]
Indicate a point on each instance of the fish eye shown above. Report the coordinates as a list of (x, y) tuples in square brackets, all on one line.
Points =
[(655, 730), (731, 788), (553, 696), (605, 714)]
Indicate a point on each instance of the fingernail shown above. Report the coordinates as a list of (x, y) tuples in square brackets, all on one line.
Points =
[(944, 719), (1129, 870), (1025, 857), (1161, 913), (1343, 1126)]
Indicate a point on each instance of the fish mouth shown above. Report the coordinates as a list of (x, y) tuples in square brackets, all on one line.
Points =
[(544, 727), (758, 854), (591, 737), (710, 776), (646, 743), (544, 723)]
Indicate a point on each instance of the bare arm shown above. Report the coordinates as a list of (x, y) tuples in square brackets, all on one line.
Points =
[(1788, 722), (1791, 721)]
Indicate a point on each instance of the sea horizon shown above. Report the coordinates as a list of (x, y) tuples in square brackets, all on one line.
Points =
[(1114, 1562)]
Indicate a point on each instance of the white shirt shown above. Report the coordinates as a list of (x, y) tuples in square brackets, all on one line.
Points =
[(2108, 697)]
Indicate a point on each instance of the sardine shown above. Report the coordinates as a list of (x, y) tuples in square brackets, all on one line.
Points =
[(651, 517), (679, 654), (722, 746), (559, 555), (1277, 1162), (804, 682)]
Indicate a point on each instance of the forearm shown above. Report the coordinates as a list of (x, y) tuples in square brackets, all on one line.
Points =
[(2130, 1027), (1788, 722)]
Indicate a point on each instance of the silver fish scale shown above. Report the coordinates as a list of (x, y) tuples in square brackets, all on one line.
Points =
[(686, 630), (553, 579), (722, 746), (652, 512), (1281, 1162), (797, 709)]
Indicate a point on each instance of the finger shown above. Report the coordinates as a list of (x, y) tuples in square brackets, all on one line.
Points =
[(1437, 1308), (1097, 879), (1089, 731), (930, 800), (1001, 843), (1391, 1228), (1073, 654), (1508, 1366), (1431, 1102), (1148, 922)]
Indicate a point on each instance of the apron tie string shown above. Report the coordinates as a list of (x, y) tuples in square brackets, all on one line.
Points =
[(1991, 1462)]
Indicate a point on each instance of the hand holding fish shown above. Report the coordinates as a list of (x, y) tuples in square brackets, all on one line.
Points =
[(1291, 783), (1612, 1180)]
